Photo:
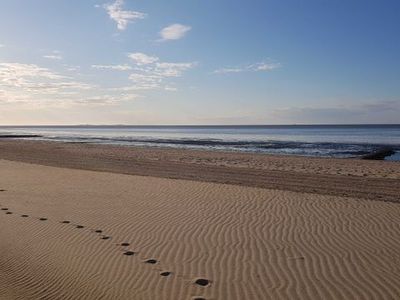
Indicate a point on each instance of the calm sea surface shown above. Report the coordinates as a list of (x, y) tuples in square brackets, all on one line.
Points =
[(311, 140)]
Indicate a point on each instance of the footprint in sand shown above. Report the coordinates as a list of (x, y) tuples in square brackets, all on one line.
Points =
[(8, 213), (65, 222), (24, 216), (79, 226), (198, 298), (1, 190), (98, 231), (124, 244), (150, 261), (43, 219), (129, 253), (165, 273), (105, 237), (4, 208), (202, 281)]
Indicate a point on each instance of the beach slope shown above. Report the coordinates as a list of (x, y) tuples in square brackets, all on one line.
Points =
[(79, 234)]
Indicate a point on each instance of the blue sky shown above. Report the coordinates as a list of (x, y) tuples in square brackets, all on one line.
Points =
[(199, 62)]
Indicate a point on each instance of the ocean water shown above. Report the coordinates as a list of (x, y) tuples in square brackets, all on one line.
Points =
[(310, 140)]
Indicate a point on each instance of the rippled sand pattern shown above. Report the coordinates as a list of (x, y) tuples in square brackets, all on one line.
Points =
[(175, 239)]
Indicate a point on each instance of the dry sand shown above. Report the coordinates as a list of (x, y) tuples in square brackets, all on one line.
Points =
[(283, 231), (251, 243)]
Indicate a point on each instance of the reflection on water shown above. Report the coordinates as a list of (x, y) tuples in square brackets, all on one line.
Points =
[(315, 140)]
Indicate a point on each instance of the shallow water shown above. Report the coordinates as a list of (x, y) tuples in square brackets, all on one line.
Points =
[(311, 140)]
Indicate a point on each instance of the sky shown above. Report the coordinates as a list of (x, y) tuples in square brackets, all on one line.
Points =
[(142, 62)]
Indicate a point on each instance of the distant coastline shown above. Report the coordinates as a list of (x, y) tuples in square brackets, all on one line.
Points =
[(199, 126)]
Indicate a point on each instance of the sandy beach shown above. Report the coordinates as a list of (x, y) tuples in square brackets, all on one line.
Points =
[(199, 150), (83, 221)]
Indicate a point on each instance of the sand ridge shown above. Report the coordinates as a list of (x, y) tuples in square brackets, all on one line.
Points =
[(249, 243)]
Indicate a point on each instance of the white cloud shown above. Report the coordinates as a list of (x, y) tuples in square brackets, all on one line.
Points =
[(105, 99), (228, 70), (1, 45), (32, 79), (165, 69), (170, 89), (30, 85), (257, 67), (174, 32), (265, 66), (112, 67), (150, 73), (54, 57), (72, 68), (145, 81), (34, 85), (142, 59), (17, 72), (120, 16)]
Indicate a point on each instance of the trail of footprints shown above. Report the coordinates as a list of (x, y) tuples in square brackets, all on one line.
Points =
[(203, 282)]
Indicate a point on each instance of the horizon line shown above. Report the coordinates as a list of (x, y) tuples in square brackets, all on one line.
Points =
[(201, 125)]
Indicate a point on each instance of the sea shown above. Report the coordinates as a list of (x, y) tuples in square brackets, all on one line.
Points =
[(341, 141)]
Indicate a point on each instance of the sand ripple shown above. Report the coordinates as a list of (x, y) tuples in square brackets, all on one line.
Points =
[(173, 239)]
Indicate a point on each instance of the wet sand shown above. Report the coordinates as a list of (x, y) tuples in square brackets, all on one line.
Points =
[(366, 179), (182, 232)]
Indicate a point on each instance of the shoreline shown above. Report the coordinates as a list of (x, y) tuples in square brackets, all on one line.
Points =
[(381, 153), (366, 179), (374, 141), (140, 223)]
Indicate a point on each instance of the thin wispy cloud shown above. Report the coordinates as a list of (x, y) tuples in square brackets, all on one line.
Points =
[(122, 17), (265, 66), (170, 88), (18, 73), (257, 67), (53, 57), (30, 78), (106, 99), (72, 68), (167, 69), (151, 73), (174, 32), (229, 70), (142, 59), (112, 67), (32, 85)]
